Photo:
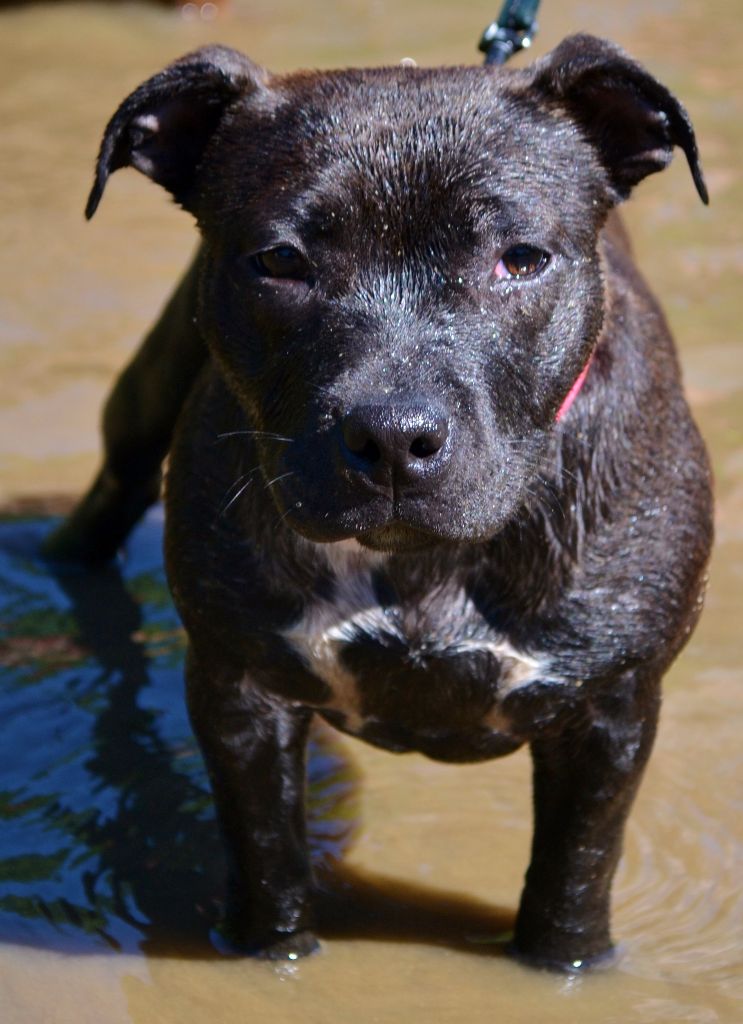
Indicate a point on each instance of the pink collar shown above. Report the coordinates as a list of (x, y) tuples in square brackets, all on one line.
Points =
[(573, 393)]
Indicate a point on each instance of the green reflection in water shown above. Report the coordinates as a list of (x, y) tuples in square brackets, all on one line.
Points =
[(108, 834)]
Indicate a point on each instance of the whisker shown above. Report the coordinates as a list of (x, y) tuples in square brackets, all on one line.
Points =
[(276, 479), (283, 515), (229, 496), (235, 497), (256, 433), (236, 483)]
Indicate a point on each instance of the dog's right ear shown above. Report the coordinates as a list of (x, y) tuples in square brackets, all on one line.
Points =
[(633, 121), (164, 126)]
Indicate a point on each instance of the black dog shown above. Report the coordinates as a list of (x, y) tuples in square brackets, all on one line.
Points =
[(432, 475)]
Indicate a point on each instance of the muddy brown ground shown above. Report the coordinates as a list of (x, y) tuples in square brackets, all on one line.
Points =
[(433, 855)]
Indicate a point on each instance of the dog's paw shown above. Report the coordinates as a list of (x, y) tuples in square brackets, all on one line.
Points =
[(289, 947), (566, 963), (233, 940)]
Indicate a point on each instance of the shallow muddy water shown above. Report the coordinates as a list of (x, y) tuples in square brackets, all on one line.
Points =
[(109, 863)]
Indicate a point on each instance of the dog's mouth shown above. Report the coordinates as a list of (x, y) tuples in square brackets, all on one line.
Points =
[(398, 538), (377, 525)]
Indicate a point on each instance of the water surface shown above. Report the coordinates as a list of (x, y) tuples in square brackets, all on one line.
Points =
[(110, 869)]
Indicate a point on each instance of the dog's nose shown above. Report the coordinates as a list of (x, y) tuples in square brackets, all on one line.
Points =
[(394, 443)]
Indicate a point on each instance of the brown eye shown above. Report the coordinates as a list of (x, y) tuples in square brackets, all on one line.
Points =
[(521, 261), (284, 262)]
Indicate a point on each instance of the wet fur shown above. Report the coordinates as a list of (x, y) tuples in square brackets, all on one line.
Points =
[(535, 584)]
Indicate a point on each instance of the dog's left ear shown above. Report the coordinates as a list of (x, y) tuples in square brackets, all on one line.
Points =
[(164, 126), (632, 120)]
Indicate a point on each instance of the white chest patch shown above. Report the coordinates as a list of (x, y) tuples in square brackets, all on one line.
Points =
[(327, 625), (450, 626)]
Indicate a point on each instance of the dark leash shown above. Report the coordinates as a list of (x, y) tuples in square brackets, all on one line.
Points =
[(513, 30)]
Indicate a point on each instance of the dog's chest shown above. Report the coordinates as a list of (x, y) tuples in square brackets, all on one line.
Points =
[(428, 663)]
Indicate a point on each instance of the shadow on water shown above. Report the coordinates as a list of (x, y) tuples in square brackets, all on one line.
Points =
[(108, 834)]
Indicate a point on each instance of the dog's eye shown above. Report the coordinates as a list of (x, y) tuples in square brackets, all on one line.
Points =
[(522, 261), (282, 262)]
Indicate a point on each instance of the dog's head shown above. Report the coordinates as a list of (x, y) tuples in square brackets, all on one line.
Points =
[(401, 272)]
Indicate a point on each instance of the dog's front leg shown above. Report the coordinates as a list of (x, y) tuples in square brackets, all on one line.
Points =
[(254, 748), (584, 783)]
